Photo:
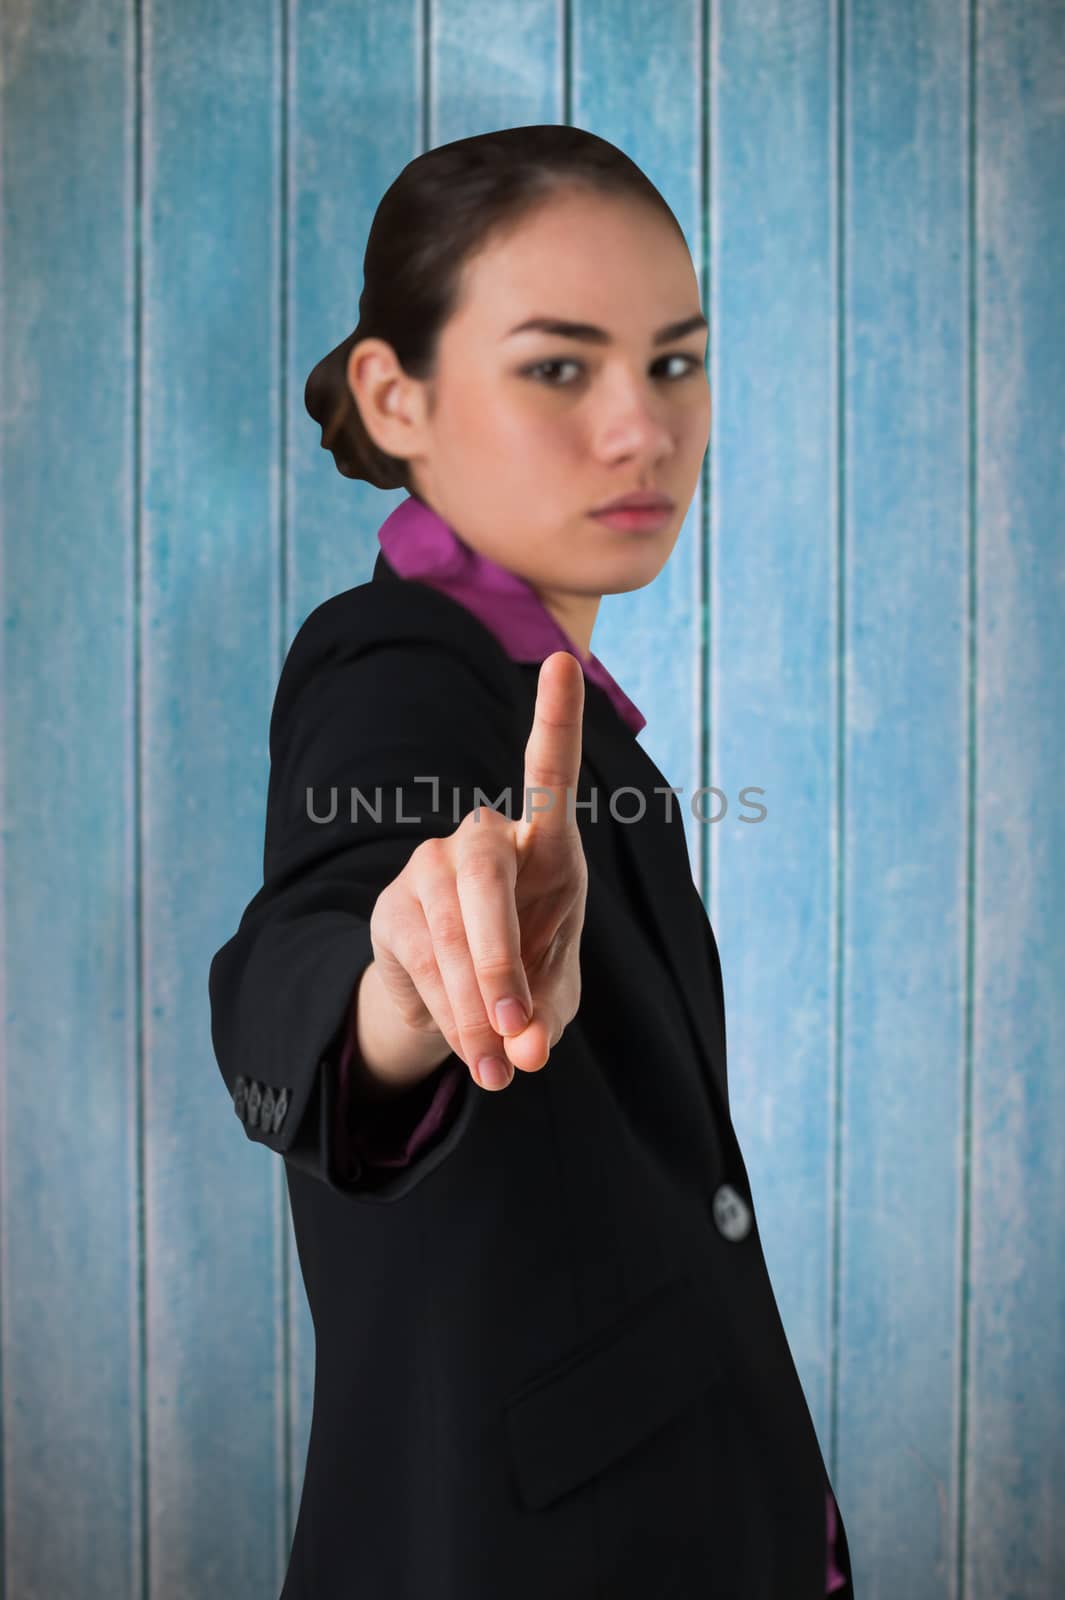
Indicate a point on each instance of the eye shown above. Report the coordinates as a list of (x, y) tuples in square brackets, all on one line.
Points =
[(692, 364)]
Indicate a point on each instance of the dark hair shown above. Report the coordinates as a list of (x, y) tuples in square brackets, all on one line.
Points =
[(435, 215)]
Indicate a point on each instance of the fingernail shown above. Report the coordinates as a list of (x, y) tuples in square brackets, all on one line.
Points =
[(511, 1016), (493, 1072)]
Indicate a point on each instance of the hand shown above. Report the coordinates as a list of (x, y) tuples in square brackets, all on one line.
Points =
[(495, 910)]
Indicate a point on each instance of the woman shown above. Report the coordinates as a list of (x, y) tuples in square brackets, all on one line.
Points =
[(548, 1355)]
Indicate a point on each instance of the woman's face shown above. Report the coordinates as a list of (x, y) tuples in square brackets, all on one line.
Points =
[(528, 432)]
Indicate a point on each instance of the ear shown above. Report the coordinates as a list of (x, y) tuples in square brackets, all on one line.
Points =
[(392, 405)]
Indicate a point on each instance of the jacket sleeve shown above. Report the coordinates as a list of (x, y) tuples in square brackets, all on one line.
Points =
[(376, 743)]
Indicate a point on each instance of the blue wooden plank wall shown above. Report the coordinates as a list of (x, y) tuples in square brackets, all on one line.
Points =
[(863, 618)]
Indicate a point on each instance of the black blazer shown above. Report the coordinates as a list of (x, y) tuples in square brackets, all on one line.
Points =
[(549, 1360)]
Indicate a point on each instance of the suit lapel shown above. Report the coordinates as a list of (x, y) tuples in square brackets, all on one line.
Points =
[(657, 852)]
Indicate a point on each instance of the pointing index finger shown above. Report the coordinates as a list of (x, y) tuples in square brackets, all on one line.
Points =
[(553, 750)]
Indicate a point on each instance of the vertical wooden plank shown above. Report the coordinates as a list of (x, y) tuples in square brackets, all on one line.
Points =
[(637, 81), (70, 1263), (500, 70), (903, 783), (1013, 1440), (209, 641), (772, 686), (355, 117)]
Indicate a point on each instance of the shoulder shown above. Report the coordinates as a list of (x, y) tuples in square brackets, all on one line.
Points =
[(395, 641)]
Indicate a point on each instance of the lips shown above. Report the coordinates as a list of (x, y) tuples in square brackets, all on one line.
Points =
[(635, 519), (649, 500)]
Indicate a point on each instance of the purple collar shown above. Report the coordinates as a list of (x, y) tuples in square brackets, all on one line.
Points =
[(419, 544)]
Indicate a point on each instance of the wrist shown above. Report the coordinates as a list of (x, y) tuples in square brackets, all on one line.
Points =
[(389, 1056)]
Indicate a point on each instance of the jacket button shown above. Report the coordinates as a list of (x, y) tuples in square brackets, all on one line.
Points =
[(280, 1107), (731, 1213), (266, 1112), (255, 1100), (240, 1097)]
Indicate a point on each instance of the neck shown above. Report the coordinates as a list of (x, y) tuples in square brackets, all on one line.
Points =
[(575, 615)]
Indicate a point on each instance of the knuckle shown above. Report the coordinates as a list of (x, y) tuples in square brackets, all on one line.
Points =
[(473, 1024), (415, 1013), (385, 904), (379, 919), (497, 967), (429, 852), (448, 930), (392, 926), (420, 963), (545, 772), (484, 866), (478, 818)]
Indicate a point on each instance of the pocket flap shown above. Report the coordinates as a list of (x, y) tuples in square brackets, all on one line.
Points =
[(593, 1405)]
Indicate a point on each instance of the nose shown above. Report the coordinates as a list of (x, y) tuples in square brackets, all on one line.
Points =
[(634, 424)]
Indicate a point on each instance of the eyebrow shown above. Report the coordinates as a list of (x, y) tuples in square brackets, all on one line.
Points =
[(586, 331)]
